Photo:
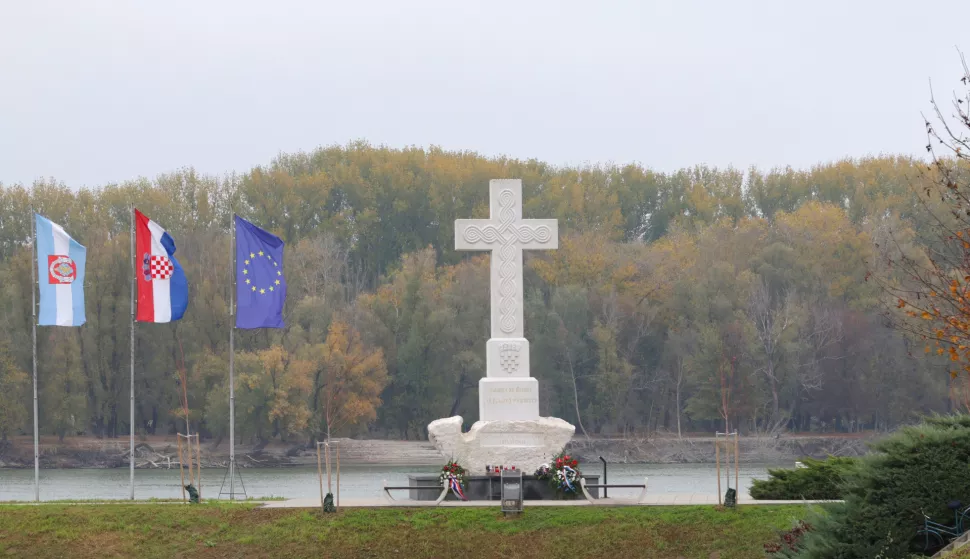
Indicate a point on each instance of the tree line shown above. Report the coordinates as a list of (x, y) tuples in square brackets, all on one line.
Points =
[(686, 301)]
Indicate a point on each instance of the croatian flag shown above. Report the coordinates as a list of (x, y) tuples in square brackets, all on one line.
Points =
[(163, 291), (60, 275)]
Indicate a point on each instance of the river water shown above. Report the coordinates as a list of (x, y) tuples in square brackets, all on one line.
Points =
[(355, 481)]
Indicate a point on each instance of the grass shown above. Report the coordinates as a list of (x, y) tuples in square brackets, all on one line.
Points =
[(218, 530)]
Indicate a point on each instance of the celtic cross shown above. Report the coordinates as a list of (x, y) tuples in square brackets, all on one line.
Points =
[(506, 234)]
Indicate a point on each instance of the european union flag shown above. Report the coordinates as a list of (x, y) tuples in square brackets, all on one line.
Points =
[(260, 283)]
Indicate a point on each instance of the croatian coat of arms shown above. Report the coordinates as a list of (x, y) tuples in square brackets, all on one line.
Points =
[(156, 267), (509, 357)]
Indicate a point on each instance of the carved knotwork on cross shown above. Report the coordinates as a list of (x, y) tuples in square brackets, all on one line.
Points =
[(506, 234)]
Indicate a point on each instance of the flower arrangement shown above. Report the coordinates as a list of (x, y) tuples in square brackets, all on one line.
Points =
[(563, 474), (452, 470), (453, 475)]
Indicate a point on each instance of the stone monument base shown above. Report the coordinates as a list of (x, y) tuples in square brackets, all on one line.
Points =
[(525, 444)]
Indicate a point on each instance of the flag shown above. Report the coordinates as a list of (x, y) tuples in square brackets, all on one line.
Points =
[(60, 275), (260, 284), (163, 291)]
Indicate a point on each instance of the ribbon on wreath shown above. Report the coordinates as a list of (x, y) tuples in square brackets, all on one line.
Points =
[(566, 470), (456, 487)]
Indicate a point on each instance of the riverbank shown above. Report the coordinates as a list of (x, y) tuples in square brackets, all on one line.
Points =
[(162, 452), (215, 531)]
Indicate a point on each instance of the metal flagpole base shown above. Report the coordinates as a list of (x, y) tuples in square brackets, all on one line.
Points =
[(229, 483)]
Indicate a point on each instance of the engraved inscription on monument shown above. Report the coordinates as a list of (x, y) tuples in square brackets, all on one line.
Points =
[(524, 440), (510, 400), (511, 396)]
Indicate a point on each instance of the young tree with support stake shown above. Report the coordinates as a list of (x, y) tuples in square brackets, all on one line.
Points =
[(347, 384)]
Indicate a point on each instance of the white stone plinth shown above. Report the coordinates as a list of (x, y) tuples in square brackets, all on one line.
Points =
[(514, 399), (523, 444), (507, 358)]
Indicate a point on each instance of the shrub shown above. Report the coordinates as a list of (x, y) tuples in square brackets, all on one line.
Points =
[(788, 541), (920, 468), (820, 479)]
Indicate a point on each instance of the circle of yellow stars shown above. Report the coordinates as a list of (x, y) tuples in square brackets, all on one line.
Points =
[(247, 262)]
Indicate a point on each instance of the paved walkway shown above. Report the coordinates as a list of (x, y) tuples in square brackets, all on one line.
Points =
[(665, 499)]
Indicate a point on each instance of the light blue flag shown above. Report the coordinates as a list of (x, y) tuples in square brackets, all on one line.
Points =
[(60, 275)]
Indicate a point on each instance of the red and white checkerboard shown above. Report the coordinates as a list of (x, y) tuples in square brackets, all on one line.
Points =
[(161, 267)]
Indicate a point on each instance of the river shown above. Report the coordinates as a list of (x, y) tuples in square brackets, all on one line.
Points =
[(356, 481)]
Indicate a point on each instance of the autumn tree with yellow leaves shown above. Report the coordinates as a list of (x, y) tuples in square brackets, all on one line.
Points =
[(929, 282), (348, 378)]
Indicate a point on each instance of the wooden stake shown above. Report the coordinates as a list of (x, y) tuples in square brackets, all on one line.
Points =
[(326, 447), (178, 437), (717, 459), (188, 441), (737, 446), (320, 474), (198, 448), (338, 477)]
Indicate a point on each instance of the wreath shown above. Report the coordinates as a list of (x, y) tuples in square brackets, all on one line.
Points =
[(563, 474), (453, 476)]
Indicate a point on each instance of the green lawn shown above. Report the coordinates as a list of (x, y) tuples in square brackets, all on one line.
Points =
[(240, 530)]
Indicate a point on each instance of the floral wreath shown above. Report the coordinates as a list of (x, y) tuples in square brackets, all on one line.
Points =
[(453, 475), (563, 474)]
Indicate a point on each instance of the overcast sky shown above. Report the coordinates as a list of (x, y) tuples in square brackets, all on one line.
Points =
[(93, 92)]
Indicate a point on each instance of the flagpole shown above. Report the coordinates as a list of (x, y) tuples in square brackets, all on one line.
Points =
[(33, 308), (131, 429), (232, 351)]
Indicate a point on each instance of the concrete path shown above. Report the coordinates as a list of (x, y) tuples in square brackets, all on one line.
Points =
[(666, 499)]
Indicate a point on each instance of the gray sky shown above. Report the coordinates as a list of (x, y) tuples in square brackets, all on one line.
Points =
[(104, 91)]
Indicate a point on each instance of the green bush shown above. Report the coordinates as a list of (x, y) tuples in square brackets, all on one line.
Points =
[(820, 479), (916, 469)]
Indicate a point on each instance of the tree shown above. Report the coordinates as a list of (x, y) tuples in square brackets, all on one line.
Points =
[(13, 396), (627, 320), (62, 386), (274, 389), (931, 284), (348, 379)]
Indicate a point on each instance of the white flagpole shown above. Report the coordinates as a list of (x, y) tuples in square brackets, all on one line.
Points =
[(131, 429), (232, 383), (33, 307)]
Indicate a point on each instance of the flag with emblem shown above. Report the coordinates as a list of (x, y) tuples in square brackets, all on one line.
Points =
[(260, 283), (60, 275), (163, 291)]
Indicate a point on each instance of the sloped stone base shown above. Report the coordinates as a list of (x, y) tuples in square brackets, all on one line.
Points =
[(525, 444)]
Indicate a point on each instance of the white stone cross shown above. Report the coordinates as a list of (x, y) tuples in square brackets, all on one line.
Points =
[(506, 234)]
